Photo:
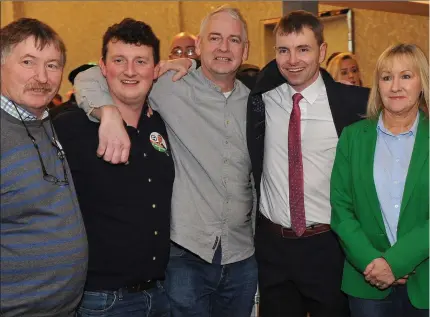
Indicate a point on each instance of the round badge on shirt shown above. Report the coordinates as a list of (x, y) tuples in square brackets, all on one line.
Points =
[(158, 142)]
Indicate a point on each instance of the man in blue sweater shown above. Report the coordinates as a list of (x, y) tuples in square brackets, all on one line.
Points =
[(43, 240)]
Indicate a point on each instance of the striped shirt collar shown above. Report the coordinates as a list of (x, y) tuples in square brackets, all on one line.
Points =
[(8, 106)]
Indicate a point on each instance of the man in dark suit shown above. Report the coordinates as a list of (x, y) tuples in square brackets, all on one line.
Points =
[(296, 112)]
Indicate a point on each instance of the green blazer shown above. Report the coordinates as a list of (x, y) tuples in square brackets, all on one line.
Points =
[(357, 217)]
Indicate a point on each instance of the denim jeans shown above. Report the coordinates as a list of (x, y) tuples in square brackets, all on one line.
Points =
[(396, 304), (150, 303), (199, 289)]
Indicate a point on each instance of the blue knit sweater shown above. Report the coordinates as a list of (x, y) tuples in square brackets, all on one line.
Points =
[(43, 241)]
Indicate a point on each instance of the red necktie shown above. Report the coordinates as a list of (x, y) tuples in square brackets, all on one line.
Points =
[(295, 170)]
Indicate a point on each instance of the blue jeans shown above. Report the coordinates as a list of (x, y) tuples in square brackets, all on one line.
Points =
[(149, 303), (199, 289), (396, 304)]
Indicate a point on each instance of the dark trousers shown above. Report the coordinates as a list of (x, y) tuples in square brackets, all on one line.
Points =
[(397, 304), (297, 276)]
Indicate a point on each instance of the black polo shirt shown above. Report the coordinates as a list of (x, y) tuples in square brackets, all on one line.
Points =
[(126, 208)]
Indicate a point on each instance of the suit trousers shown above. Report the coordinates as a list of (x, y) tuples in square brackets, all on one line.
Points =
[(297, 276)]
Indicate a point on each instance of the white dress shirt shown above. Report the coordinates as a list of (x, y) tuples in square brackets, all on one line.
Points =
[(319, 141)]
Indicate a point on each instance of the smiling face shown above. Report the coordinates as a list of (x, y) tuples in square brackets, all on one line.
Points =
[(400, 86), (130, 71), (222, 47), (298, 57), (31, 77), (349, 71)]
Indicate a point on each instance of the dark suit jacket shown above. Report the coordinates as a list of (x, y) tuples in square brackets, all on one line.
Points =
[(347, 105)]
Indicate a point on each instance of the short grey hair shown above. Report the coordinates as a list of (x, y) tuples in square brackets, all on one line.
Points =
[(4, 53), (234, 13)]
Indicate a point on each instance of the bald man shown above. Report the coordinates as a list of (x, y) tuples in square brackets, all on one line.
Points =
[(183, 45)]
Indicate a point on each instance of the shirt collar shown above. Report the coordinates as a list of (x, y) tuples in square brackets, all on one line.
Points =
[(8, 106), (412, 131), (210, 83), (310, 93)]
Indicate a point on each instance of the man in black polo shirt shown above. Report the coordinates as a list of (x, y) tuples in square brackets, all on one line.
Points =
[(126, 208)]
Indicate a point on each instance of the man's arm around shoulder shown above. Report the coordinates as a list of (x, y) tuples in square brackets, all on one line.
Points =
[(92, 91)]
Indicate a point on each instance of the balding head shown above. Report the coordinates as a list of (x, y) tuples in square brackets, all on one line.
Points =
[(183, 45)]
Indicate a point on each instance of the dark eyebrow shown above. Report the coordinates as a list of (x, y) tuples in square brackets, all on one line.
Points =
[(304, 46)]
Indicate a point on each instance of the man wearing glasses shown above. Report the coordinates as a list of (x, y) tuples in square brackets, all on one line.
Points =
[(183, 46), (43, 240)]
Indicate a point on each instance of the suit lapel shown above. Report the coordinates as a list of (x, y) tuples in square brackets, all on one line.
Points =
[(419, 155), (334, 101), (368, 182)]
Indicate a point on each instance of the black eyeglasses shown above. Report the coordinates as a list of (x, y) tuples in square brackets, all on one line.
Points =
[(60, 153)]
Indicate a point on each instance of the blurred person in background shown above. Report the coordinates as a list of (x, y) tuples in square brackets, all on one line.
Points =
[(56, 101), (249, 70), (380, 192), (72, 76), (344, 68), (71, 99), (333, 55), (183, 46), (247, 74)]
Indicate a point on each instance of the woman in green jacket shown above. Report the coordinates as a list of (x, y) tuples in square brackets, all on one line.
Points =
[(380, 192)]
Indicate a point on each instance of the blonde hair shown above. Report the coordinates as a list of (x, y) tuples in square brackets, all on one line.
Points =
[(335, 65), (419, 61), (234, 13)]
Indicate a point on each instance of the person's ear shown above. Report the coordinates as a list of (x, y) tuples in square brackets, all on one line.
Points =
[(102, 66)]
